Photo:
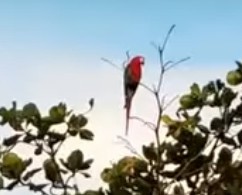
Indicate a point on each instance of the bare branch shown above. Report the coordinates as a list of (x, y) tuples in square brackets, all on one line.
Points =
[(129, 146), (167, 37), (154, 45), (168, 62), (161, 52), (147, 87), (147, 123), (111, 63), (115, 65), (91, 103), (159, 103), (176, 63), (127, 55), (170, 102)]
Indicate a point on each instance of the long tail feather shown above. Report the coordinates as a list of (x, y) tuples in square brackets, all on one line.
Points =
[(127, 107)]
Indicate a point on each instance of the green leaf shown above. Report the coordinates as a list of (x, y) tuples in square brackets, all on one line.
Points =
[(65, 164), (217, 124), (178, 190), (11, 140), (38, 150), (38, 187), (28, 162), (150, 152), (73, 132), (227, 97), (234, 188), (86, 175), (31, 112), (44, 126), (51, 170), (15, 119), (167, 120), (58, 113), (12, 185), (56, 136), (142, 184), (31, 173), (12, 166), (82, 120), (187, 101), (203, 129), (106, 175), (225, 156), (224, 159), (75, 160), (30, 109), (140, 165), (86, 134), (229, 141), (219, 84), (234, 77), (239, 65), (86, 164), (240, 137), (91, 102), (196, 144), (209, 89), (4, 114), (1, 183), (77, 122), (195, 90), (29, 138)]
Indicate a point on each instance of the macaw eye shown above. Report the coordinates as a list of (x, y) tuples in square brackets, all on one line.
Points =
[(142, 60)]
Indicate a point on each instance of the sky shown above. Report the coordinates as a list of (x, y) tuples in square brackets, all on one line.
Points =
[(50, 51)]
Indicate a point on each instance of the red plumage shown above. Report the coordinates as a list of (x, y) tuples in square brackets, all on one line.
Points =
[(132, 76)]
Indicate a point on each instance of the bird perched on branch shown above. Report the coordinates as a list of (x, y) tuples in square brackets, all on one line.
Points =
[(132, 76)]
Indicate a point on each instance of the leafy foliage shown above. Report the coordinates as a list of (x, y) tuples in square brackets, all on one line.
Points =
[(45, 135), (194, 158)]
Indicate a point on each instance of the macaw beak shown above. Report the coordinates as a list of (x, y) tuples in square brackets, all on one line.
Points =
[(142, 62)]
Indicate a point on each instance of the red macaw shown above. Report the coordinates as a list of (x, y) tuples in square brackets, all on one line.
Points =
[(132, 76)]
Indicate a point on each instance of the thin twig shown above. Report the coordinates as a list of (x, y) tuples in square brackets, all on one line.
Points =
[(29, 185), (176, 63), (168, 36), (88, 110), (168, 62), (161, 53), (147, 87), (170, 102), (127, 55), (129, 146), (111, 63), (159, 103), (53, 155), (147, 123), (69, 178)]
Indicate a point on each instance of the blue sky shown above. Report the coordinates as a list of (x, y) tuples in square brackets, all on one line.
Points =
[(209, 31), (50, 51)]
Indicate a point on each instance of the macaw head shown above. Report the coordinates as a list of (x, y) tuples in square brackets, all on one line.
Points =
[(138, 60)]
